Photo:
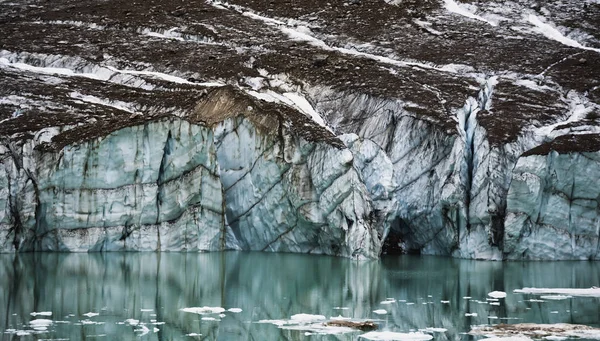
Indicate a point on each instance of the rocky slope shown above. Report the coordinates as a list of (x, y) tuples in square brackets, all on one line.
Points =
[(345, 128)]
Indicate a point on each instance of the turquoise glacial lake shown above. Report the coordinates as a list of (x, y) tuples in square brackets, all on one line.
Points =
[(267, 296)]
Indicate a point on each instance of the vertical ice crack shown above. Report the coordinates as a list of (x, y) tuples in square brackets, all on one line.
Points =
[(160, 180), (467, 126)]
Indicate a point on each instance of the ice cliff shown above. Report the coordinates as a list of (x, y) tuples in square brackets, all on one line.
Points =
[(439, 128)]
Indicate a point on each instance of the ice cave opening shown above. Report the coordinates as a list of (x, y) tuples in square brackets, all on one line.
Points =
[(395, 241)]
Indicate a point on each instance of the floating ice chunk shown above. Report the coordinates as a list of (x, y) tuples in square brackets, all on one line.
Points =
[(471, 314), (143, 330), (299, 318), (591, 292), (380, 311), (41, 313), (445, 302), (203, 310), (555, 338), (209, 319), (90, 314), (467, 297), (433, 330), (319, 328), (396, 336), (509, 338), (132, 322), (556, 331), (388, 301), (87, 322), (497, 294), (494, 303), (40, 323), (234, 310), (275, 322), (340, 318), (556, 297), (146, 310), (193, 334), (341, 308)]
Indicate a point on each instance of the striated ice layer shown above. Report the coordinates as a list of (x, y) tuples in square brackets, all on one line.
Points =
[(284, 194), (552, 207), (148, 187)]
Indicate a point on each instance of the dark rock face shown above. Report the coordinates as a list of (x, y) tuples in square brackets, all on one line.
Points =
[(323, 126)]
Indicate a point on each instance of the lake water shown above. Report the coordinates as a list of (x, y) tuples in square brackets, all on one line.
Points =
[(261, 296)]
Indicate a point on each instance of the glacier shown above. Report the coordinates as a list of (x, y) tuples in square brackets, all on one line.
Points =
[(310, 137)]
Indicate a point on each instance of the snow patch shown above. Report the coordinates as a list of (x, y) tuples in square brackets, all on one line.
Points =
[(119, 105), (466, 11)]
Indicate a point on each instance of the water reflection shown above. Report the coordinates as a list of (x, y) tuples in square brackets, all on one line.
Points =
[(152, 288)]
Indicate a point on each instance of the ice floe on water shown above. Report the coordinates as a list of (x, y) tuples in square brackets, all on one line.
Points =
[(41, 313), (90, 314), (203, 310), (555, 297), (584, 292), (388, 301), (433, 330), (314, 324), (235, 310), (536, 331), (40, 324), (497, 294), (386, 335), (380, 311)]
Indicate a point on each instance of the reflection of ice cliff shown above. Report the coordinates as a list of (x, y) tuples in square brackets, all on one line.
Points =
[(119, 286)]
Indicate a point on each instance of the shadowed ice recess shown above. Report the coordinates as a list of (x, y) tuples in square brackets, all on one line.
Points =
[(262, 296)]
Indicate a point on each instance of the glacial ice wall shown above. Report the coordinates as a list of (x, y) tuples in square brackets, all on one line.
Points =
[(315, 135), (553, 207), (178, 186), (153, 186)]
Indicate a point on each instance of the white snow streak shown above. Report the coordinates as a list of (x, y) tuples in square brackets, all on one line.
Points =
[(102, 73), (291, 99), (579, 108), (552, 33), (119, 105), (460, 9), (303, 33)]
